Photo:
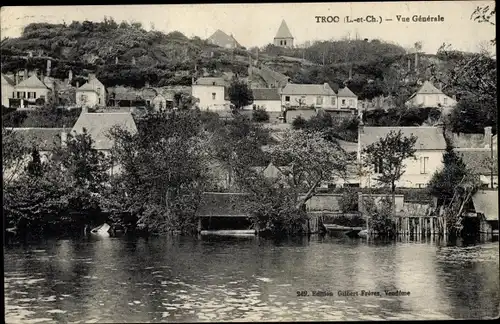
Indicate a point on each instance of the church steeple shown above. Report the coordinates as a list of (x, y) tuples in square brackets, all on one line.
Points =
[(283, 37)]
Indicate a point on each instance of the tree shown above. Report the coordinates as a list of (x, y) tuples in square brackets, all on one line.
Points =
[(299, 123), (443, 182), (304, 161), (164, 170), (240, 94), (387, 156), (13, 153), (485, 14)]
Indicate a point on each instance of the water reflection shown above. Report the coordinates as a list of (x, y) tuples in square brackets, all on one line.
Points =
[(220, 279)]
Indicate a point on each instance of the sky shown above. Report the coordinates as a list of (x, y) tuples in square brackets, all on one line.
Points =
[(257, 24)]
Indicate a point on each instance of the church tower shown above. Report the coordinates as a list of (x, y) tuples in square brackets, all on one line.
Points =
[(283, 37)]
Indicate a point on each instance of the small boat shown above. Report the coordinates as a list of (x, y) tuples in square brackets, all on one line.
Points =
[(102, 230), (229, 232)]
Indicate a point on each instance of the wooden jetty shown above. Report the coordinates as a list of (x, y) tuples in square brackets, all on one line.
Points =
[(420, 225)]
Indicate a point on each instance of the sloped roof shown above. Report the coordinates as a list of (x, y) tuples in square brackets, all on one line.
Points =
[(479, 160), (283, 31), (98, 126), (428, 138), (8, 80), (91, 85), (428, 88), (45, 139), (486, 202), (308, 89), (222, 39), (346, 92), (211, 81), (32, 82), (266, 94)]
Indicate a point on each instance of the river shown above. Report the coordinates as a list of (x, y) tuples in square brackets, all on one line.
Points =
[(247, 279)]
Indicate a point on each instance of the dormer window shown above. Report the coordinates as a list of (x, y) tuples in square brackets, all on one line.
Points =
[(213, 83)]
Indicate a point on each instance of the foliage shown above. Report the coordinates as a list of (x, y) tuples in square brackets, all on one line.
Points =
[(471, 115), (163, 170), (388, 154), (349, 200), (13, 152), (299, 123), (443, 182), (412, 116), (46, 117), (35, 166), (240, 94), (260, 115), (380, 220)]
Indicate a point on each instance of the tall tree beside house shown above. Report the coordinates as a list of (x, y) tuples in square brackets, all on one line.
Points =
[(387, 156), (444, 182), (304, 160), (240, 94), (84, 168), (163, 171), (13, 153)]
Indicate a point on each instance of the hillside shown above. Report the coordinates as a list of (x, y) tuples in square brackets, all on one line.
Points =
[(128, 55), (120, 54)]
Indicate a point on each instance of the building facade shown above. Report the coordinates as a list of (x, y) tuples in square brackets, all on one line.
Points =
[(30, 92), (7, 90), (267, 99), (211, 93), (91, 94), (430, 146), (430, 96)]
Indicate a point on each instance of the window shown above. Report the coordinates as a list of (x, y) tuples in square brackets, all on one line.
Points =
[(333, 101), (281, 42), (343, 102), (319, 100), (287, 98), (424, 165), (29, 95), (213, 95), (83, 97), (445, 101), (99, 100), (284, 42), (34, 95), (13, 94), (378, 166)]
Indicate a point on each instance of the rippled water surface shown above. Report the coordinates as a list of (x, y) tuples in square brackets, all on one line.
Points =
[(246, 279)]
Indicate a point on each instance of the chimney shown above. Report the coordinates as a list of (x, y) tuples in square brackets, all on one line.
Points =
[(25, 74), (49, 64), (487, 136), (91, 76), (16, 77), (325, 86), (77, 84)]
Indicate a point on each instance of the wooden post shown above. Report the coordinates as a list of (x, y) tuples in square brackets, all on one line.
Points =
[(199, 224)]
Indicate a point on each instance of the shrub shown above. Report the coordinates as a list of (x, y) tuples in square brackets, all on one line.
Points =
[(299, 123), (349, 201), (260, 115)]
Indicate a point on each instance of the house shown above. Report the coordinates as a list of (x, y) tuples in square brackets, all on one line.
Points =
[(308, 95), (430, 96), (211, 93), (30, 92), (430, 146), (7, 89), (98, 126), (222, 39), (347, 99), (266, 77), (283, 37), (486, 207), (483, 162), (91, 94), (120, 96), (267, 99)]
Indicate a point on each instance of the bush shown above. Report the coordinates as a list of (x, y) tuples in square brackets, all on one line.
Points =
[(260, 115), (299, 123), (349, 201)]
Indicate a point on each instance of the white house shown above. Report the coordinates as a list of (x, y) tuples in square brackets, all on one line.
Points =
[(222, 39), (430, 96), (347, 99), (30, 90), (212, 93), (308, 95), (430, 146), (267, 99), (98, 126), (91, 94), (7, 90)]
